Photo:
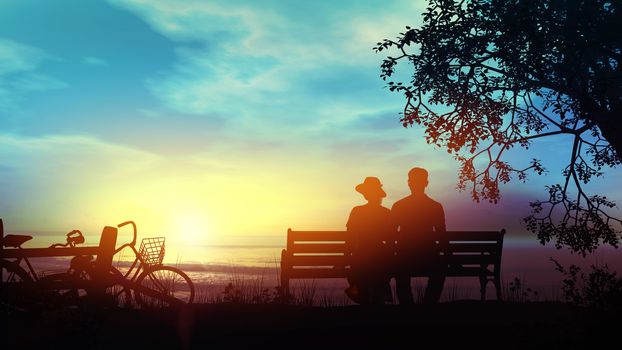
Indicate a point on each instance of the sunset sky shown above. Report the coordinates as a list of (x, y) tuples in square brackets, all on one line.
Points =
[(217, 122)]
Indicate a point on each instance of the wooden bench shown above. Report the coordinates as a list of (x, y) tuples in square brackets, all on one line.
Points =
[(324, 254)]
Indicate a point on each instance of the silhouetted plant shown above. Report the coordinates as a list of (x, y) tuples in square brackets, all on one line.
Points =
[(249, 291), (600, 288), (266, 296), (305, 293), (328, 299), (282, 297), (518, 292), (492, 75), (232, 294), (451, 293)]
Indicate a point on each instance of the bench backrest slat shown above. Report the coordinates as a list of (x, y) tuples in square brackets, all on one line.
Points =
[(492, 248), (317, 273), (478, 236), (319, 248), (467, 248), (471, 259), (318, 260), (298, 237)]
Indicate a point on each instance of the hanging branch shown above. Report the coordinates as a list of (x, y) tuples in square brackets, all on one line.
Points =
[(492, 76)]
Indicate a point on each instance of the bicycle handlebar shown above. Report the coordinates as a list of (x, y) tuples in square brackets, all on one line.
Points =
[(74, 237), (133, 242)]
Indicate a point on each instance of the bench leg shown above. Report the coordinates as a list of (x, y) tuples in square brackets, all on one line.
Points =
[(284, 292), (284, 287), (482, 287), (497, 283)]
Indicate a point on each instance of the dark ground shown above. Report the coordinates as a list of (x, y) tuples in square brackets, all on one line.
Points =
[(464, 325)]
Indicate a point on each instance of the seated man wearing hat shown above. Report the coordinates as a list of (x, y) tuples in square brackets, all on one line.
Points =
[(369, 227)]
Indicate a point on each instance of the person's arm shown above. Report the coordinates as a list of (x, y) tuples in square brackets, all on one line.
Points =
[(389, 236), (394, 223), (350, 234), (440, 229), (439, 224)]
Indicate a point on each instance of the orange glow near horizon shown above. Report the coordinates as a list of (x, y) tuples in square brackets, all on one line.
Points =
[(190, 200)]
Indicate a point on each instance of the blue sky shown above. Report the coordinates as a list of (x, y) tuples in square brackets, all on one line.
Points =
[(223, 118)]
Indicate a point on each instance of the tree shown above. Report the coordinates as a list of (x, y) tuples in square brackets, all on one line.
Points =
[(491, 75)]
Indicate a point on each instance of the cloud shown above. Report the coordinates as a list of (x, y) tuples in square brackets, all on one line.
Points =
[(19, 73), (272, 63), (17, 57), (55, 155), (282, 76), (364, 148), (94, 61), (382, 120), (36, 82)]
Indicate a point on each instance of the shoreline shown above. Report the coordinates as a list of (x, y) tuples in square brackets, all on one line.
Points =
[(523, 261)]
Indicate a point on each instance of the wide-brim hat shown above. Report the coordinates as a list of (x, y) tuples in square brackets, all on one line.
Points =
[(371, 185)]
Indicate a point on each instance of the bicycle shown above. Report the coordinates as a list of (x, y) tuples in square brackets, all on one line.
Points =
[(21, 285), (152, 283), (147, 282)]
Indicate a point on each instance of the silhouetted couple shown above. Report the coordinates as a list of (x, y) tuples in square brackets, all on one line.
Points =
[(394, 243)]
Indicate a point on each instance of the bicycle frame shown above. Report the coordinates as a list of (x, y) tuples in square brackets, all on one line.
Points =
[(140, 268), (29, 270), (139, 263)]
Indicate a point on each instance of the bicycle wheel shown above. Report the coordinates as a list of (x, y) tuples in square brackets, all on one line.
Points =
[(77, 287), (13, 273), (16, 285), (163, 286), (119, 289), (65, 288)]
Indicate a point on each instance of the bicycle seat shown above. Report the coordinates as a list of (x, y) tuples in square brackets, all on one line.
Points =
[(15, 241)]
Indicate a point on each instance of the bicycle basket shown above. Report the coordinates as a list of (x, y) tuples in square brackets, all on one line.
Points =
[(152, 250)]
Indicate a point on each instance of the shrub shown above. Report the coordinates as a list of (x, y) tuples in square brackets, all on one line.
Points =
[(600, 288)]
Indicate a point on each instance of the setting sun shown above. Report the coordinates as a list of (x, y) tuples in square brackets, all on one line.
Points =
[(189, 228)]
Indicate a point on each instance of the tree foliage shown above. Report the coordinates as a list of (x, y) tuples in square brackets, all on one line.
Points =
[(491, 75)]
